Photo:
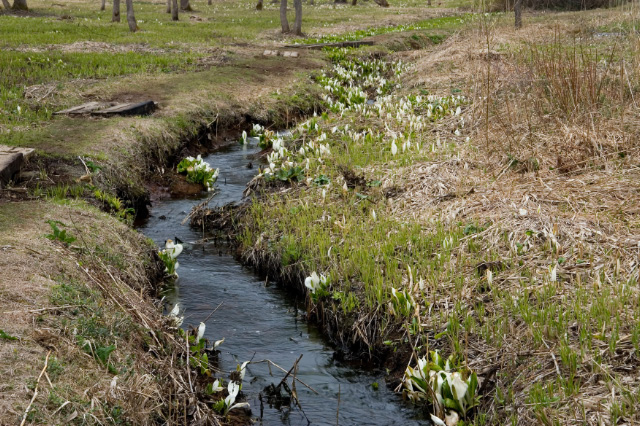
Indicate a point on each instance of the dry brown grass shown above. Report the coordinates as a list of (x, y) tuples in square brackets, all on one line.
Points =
[(550, 179)]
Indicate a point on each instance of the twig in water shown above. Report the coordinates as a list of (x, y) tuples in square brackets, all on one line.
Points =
[(35, 391), (212, 312), (338, 409), (270, 363)]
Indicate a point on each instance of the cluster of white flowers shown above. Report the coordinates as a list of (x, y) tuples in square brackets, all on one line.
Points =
[(347, 85), (350, 81), (199, 171), (315, 282), (449, 387)]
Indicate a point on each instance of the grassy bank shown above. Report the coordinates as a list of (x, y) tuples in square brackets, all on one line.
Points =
[(482, 207), (82, 339)]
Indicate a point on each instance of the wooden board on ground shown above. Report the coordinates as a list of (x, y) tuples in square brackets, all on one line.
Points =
[(336, 44), (82, 109), (286, 54), (11, 159), (111, 108)]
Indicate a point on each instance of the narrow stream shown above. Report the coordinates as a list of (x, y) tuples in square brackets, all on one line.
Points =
[(263, 322)]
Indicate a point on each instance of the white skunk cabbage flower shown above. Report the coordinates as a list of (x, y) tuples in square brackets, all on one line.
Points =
[(201, 329), (394, 148), (216, 386), (242, 369), (324, 194), (233, 389), (459, 386), (314, 282), (174, 314), (437, 421), (218, 343), (244, 136), (373, 214), (553, 274), (489, 276), (172, 249), (175, 311)]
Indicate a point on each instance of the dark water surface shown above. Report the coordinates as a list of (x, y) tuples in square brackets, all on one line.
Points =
[(263, 322)]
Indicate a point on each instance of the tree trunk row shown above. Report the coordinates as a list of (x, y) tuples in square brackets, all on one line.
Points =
[(131, 19), (284, 23), (174, 10), (517, 8), (297, 23), (18, 5), (116, 11)]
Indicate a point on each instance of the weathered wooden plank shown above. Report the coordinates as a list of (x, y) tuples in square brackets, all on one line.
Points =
[(83, 109), (130, 108), (11, 160), (336, 44)]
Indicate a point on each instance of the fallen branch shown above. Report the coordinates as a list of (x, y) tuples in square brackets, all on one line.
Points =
[(35, 391)]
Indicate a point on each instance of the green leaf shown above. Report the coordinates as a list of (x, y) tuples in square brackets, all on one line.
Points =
[(6, 336), (446, 390), (452, 404), (219, 406), (421, 383), (103, 352)]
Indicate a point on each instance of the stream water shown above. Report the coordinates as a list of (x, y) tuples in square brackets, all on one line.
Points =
[(263, 322)]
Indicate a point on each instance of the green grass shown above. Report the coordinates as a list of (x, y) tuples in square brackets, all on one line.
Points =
[(24, 69), (31, 49), (445, 23)]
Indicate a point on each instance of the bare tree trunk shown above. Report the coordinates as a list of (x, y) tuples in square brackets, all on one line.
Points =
[(428, 2), (20, 5), (382, 3), (297, 23), (354, 2), (259, 5), (184, 5), (209, 2), (116, 11), (174, 10), (6, 4), (168, 6), (131, 19), (283, 16), (103, 5), (517, 8)]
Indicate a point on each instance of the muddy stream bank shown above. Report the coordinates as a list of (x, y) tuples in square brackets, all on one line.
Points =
[(261, 321)]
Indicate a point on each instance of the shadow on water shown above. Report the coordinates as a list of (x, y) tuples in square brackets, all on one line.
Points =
[(260, 321)]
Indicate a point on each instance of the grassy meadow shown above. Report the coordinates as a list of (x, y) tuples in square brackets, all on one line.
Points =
[(465, 191)]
